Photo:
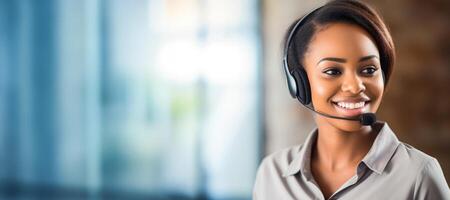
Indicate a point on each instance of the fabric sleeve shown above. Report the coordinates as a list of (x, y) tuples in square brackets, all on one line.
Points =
[(431, 183), (259, 182)]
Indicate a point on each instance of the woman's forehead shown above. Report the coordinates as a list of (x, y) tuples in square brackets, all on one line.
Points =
[(341, 40)]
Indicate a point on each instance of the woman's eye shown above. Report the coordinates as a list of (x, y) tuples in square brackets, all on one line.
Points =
[(332, 72), (369, 70)]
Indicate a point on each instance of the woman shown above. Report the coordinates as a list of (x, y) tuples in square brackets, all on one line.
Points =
[(338, 60)]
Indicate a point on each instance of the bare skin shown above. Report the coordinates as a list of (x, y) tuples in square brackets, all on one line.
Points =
[(332, 170), (355, 77)]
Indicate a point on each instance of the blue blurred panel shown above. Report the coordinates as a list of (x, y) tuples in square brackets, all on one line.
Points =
[(129, 99)]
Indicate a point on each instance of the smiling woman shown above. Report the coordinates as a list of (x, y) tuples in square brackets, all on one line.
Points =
[(338, 61), (344, 73)]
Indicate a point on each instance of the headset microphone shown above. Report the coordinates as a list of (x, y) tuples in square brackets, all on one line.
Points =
[(298, 82), (366, 119)]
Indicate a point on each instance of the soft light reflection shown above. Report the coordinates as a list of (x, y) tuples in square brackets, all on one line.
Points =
[(228, 61), (179, 61)]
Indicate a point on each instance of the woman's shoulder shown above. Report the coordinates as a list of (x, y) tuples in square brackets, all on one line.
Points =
[(415, 162), (411, 156), (399, 154), (269, 182), (429, 180), (280, 160), (283, 156)]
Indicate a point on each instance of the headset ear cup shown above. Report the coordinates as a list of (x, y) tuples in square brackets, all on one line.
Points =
[(303, 89)]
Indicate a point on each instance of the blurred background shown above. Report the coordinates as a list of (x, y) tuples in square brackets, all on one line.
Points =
[(181, 99)]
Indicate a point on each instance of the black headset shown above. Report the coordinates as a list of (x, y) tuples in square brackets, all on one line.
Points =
[(297, 79)]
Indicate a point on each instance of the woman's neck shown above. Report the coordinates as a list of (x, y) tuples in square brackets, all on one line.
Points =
[(336, 149)]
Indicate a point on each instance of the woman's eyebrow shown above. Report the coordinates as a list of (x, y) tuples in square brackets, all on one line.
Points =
[(340, 60), (367, 58), (343, 60)]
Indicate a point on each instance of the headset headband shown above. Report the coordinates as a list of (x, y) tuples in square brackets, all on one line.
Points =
[(293, 90)]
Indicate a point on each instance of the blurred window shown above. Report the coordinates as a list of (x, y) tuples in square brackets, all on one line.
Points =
[(157, 98)]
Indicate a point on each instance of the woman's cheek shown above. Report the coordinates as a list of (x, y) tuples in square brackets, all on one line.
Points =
[(375, 91), (321, 91)]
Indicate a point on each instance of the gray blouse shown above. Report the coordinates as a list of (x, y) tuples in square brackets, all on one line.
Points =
[(390, 170)]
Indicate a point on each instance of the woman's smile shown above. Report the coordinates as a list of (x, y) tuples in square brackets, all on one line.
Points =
[(351, 108)]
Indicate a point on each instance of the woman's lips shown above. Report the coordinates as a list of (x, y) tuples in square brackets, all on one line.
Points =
[(351, 109)]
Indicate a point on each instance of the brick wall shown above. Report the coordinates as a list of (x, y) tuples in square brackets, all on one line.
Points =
[(417, 103)]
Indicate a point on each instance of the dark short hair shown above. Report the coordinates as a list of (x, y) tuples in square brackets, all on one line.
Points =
[(346, 11)]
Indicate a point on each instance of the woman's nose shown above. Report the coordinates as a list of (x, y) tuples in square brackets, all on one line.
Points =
[(353, 84)]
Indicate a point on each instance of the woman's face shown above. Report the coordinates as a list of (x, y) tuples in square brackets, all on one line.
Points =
[(344, 71)]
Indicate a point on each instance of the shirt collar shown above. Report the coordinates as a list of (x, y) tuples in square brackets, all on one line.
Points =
[(376, 159), (382, 149)]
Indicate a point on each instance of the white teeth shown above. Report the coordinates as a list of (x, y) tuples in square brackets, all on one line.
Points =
[(351, 105)]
